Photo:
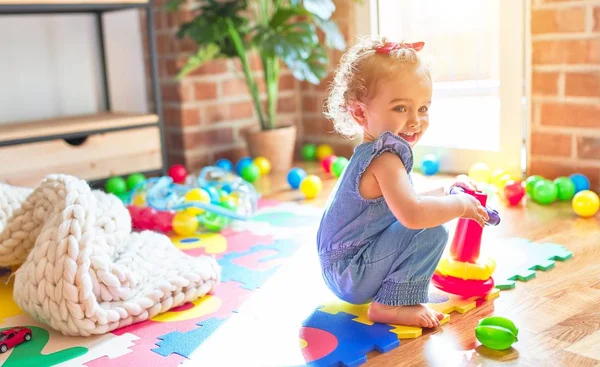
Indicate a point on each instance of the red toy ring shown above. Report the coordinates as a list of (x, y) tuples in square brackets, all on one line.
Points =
[(461, 287)]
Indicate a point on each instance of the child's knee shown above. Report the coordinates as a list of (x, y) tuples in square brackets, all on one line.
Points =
[(438, 235)]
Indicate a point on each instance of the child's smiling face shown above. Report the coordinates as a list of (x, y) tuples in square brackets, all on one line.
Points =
[(400, 104)]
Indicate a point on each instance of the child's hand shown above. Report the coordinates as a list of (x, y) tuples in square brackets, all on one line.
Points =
[(464, 182), (473, 209)]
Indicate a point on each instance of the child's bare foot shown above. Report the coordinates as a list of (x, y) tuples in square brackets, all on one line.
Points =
[(417, 315)]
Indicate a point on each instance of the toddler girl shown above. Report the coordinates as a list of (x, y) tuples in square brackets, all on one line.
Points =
[(379, 241)]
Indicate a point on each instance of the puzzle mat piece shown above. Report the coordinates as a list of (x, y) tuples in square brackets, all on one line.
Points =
[(9, 308), (141, 355), (321, 342), (32, 353), (519, 258), (201, 244), (110, 348), (253, 279), (185, 343), (226, 299)]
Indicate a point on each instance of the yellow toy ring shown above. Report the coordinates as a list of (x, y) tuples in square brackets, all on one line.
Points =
[(467, 271)]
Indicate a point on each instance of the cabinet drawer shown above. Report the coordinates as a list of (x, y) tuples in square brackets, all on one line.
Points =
[(99, 156)]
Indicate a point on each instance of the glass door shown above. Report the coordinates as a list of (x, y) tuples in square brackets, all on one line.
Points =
[(477, 52)]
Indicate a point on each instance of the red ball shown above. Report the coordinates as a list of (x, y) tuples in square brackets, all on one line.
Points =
[(178, 173), (514, 192), (327, 162)]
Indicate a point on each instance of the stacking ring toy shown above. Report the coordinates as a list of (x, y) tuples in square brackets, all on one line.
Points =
[(461, 287), (466, 270)]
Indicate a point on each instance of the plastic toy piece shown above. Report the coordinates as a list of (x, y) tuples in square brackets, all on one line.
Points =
[(10, 338), (478, 271), (185, 343), (465, 288), (497, 332)]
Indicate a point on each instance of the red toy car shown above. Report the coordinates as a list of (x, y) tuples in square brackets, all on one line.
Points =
[(10, 338)]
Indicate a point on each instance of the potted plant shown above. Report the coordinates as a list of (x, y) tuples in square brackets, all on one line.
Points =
[(281, 32)]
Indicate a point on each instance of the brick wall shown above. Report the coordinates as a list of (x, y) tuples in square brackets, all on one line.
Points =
[(565, 131), (207, 111)]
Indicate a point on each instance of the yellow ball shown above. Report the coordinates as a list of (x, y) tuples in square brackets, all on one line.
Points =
[(311, 186), (586, 203), (499, 178), (263, 164), (139, 200), (480, 172), (185, 224), (324, 151), (197, 194)]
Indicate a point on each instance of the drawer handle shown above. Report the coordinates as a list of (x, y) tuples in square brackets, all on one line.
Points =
[(76, 141)]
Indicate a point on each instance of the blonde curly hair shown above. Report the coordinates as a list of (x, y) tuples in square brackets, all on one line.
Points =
[(356, 77)]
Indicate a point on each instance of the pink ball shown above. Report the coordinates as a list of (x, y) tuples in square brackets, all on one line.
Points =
[(327, 162), (178, 173)]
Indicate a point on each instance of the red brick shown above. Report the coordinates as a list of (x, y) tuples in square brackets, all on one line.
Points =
[(241, 110), (588, 147), (325, 84), (216, 113), (319, 125), (197, 161), (198, 139), (552, 170), (175, 141), (287, 82), (185, 45), (544, 83), (164, 44), (254, 61), (181, 116), (287, 104), (233, 154), (234, 87), (570, 115), (597, 19), (582, 51), (558, 20), (205, 90), (583, 84), (177, 18), (312, 104), (550, 144), (176, 92)]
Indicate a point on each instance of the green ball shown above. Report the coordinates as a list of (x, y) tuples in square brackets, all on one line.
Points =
[(228, 203), (135, 179), (116, 185), (250, 172), (565, 188), (544, 192), (530, 183), (338, 166), (124, 196), (213, 222), (309, 152)]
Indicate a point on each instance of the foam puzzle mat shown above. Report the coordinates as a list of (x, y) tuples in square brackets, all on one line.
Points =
[(272, 307)]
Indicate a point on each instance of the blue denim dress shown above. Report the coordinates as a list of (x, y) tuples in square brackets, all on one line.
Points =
[(365, 253)]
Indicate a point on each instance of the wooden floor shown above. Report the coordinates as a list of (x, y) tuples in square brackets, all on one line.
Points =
[(558, 313)]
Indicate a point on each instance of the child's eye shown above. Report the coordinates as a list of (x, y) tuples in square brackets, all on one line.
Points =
[(423, 109), (400, 108)]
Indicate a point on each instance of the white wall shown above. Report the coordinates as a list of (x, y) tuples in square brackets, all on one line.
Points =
[(50, 65)]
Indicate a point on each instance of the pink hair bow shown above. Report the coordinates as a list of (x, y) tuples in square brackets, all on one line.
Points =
[(391, 46)]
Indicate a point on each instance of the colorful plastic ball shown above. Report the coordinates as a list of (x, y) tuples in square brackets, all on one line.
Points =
[(496, 332), (500, 178), (178, 173), (295, 177), (311, 186), (514, 192), (134, 180), (250, 172), (530, 183), (430, 164), (586, 203), (196, 194), (227, 188), (327, 163), (480, 172), (116, 185), (124, 197), (324, 151), (213, 222), (228, 202), (239, 166), (544, 192), (580, 181), (225, 164), (185, 224), (565, 188), (309, 152), (338, 166), (263, 164), (215, 197)]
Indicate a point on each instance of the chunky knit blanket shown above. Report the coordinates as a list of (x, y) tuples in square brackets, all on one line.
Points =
[(82, 269)]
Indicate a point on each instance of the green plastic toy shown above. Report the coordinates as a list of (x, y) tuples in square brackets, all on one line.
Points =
[(497, 332)]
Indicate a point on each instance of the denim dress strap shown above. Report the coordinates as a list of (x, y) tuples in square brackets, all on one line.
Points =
[(386, 142)]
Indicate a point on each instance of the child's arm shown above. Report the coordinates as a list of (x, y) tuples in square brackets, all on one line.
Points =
[(415, 211), (440, 191)]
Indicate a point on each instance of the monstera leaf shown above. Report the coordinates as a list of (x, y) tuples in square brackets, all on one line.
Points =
[(205, 53), (320, 8), (333, 36), (312, 69)]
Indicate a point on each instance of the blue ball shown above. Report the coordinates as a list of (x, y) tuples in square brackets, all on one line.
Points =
[(295, 177), (430, 165), (225, 164), (241, 164), (227, 188), (581, 182), (215, 198)]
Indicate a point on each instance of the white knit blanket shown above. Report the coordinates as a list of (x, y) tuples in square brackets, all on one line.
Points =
[(83, 271)]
